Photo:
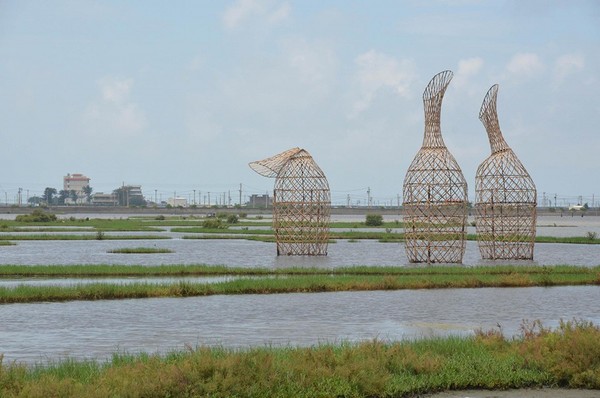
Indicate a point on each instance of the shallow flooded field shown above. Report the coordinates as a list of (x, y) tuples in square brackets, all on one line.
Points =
[(96, 329)]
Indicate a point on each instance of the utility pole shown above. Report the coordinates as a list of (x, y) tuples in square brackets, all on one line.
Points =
[(348, 201), (194, 202), (554, 200), (209, 199), (369, 197), (155, 191), (240, 194), (20, 196)]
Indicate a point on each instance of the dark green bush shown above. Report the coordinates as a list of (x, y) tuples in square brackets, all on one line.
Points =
[(36, 216), (232, 219), (374, 220)]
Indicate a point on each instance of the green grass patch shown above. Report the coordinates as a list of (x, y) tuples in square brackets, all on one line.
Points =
[(140, 250), (295, 281), (6, 243), (568, 356), (99, 236)]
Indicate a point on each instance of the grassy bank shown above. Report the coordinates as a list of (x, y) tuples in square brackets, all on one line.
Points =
[(98, 236), (566, 357), (302, 281)]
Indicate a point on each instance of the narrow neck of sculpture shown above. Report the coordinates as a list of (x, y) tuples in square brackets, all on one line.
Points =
[(433, 132), (490, 120)]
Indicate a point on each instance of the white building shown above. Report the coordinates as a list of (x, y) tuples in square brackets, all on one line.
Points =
[(76, 182), (176, 202)]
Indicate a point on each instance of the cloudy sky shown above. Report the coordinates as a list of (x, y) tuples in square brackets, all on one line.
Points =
[(180, 96)]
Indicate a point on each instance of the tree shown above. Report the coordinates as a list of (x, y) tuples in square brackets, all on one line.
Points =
[(63, 194), (87, 190), (73, 195), (35, 200), (49, 194)]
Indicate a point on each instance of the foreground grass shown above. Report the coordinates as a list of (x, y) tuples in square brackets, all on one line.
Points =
[(300, 281), (566, 357)]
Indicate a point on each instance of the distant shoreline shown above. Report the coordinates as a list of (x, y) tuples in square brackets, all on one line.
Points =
[(203, 211)]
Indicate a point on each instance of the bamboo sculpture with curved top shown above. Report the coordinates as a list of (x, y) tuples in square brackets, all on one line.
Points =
[(301, 202), (505, 195), (434, 190)]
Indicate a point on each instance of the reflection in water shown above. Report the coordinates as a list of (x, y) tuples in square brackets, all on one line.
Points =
[(95, 329)]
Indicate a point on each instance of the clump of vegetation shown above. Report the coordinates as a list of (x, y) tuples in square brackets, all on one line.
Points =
[(38, 215), (374, 220), (592, 235), (213, 223), (232, 219), (160, 218), (99, 235), (566, 357)]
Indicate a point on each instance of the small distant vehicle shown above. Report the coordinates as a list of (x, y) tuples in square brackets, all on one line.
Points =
[(576, 208)]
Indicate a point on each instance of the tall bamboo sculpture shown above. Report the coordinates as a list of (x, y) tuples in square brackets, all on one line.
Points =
[(505, 195), (435, 191), (301, 202)]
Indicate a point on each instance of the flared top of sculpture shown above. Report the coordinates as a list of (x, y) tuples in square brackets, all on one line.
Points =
[(270, 167), (489, 117), (432, 101)]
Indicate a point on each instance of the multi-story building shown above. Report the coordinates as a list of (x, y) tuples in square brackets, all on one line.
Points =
[(76, 182), (104, 199)]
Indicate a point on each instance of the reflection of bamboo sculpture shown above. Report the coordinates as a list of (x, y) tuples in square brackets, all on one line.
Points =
[(505, 195), (301, 202), (435, 191)]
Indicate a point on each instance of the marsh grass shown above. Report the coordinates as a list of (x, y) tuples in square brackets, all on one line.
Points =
[(81, 237), (6, 243), (565, 357), (296, 281), (140, 250)]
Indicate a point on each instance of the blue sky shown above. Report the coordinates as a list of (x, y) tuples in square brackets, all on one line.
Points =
[(180, 96)]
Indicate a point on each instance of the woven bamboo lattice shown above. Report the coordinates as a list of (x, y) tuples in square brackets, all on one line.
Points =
[(505, 195), (301, 202), (435, 191)]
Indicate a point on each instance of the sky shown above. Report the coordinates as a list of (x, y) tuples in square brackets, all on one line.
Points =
[(180, 96)]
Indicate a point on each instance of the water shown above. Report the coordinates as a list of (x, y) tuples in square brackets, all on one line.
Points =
[(96, 329), (242, 253)]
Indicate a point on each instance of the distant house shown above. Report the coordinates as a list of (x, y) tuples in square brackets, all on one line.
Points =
[(260, 201), (176, 202), (76, 182), (104, 199), (130, 195)]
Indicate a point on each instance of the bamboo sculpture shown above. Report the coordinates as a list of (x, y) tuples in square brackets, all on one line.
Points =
[(301, 202), (435, 191), (505, 195)]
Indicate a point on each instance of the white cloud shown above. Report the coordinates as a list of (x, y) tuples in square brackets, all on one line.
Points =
[(115, 90), (242, 10), (525, 64), (466, 69), (280, 13), (314, 62), (114, 113), (568, 64), (376, 71)]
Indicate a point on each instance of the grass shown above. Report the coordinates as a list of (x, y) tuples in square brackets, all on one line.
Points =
[(99, 236), (287, 281), (6, 243), (568, 356), (140, 250)]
